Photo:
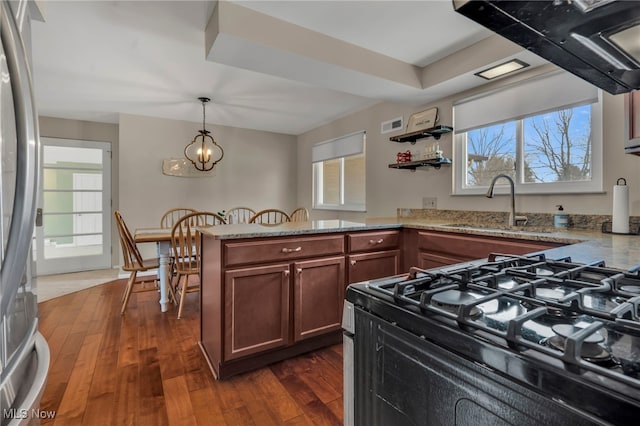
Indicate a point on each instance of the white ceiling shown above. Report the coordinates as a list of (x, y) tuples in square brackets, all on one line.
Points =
[(94, 60)]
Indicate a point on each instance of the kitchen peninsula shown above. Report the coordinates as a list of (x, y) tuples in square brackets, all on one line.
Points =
[(272, 292)]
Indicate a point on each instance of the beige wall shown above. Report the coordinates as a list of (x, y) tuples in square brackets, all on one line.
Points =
[(258, 170), (89, 131), (388, 189)]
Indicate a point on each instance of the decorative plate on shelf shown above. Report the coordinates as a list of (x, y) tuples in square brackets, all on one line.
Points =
[(422, 120)]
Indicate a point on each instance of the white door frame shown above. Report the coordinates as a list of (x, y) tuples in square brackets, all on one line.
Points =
[(79, 262)]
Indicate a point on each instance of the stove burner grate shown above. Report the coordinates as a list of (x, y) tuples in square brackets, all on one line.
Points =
[(451, 300)]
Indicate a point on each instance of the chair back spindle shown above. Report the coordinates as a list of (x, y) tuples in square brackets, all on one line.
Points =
[(300, 214), (171, 216), (239, 215), (270, 217), (186, 248)]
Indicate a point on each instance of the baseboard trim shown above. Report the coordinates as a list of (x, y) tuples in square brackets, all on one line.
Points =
[(125, 275)]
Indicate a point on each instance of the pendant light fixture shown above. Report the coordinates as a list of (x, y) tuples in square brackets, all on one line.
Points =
[(203, 151)]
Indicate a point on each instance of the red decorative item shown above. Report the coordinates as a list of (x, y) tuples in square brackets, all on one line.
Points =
[(403, 157)]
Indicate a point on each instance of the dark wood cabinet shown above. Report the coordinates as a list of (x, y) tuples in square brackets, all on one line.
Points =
[(373, 255), (264, 250), (427, 260), (437, 249), (373, 241), (632, 122), (318, 295), (256, 309), (267, 299), (369, 266)]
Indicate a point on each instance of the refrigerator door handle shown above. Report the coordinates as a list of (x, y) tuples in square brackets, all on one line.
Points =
[(24, 207)]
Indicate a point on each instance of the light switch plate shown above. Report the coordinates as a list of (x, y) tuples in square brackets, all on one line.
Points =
[(429, 202)]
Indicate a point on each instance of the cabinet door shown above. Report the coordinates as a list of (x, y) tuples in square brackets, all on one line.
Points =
[(632, 122), (318, 296), (428, 260), (369, 266), (256, 310)]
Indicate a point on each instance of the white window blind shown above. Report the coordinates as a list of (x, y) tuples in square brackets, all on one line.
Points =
[(529, 97), (343, 146)]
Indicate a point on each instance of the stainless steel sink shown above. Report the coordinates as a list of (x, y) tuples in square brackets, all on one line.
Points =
[(489, 227)]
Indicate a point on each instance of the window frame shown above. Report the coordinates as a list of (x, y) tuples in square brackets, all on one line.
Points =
[(317, 179), (595, 185)]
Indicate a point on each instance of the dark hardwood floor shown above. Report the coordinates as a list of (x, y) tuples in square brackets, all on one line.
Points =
[(146, 369)]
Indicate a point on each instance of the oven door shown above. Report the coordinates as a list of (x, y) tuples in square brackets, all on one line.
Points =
[(404, 379)]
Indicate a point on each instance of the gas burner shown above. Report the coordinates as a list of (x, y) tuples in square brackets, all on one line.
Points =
[(591, 350), (566, 330), (506, 282), (560, 314), (451, 300), (543, 272), (553, 294)]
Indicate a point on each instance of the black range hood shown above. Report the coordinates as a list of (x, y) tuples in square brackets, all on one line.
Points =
[(597, 40)]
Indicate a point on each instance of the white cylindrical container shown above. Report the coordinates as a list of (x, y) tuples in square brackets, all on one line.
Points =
[(620, 216)]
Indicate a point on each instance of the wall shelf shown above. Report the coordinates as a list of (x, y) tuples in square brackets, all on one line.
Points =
[(412, 137), (413, 165)]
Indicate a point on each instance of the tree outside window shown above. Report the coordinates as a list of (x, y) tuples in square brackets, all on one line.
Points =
[(552, 147), (557, 145)]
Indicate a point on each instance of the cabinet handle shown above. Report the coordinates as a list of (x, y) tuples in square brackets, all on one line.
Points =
[(299, 270), (376, 241), (353, 262), (291, 250), (286, 273)]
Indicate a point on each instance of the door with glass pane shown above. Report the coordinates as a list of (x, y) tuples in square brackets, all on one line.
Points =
[(75, 197)]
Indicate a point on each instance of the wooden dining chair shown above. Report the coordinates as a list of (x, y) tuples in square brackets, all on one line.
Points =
[(134, 263), (185, 244), (239, 215), (270, 217), (171, 216), (300, 214)]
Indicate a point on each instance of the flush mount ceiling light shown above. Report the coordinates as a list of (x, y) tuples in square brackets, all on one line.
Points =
[(502, 69), (203, 152)]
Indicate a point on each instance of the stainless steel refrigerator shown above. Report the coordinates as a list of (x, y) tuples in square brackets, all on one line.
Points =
[(24, 354)]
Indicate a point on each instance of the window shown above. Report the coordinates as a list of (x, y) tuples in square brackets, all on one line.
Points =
[(339, 173), (545, 133)]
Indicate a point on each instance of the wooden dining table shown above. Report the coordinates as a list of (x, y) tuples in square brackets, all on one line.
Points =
[(162, 238)]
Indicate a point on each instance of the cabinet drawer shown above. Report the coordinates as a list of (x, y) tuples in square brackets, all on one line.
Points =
[(242, 253), (372, 241), (477, 247)]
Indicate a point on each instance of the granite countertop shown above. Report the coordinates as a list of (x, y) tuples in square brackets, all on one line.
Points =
[(254, 230), (619, 251)]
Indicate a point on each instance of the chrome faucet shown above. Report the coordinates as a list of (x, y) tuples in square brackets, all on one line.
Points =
[(513, 219)]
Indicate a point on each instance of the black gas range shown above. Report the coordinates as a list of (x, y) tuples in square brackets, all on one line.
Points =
[(511, 340)]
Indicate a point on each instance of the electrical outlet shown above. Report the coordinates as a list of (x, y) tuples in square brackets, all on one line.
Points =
[(429, 202)]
